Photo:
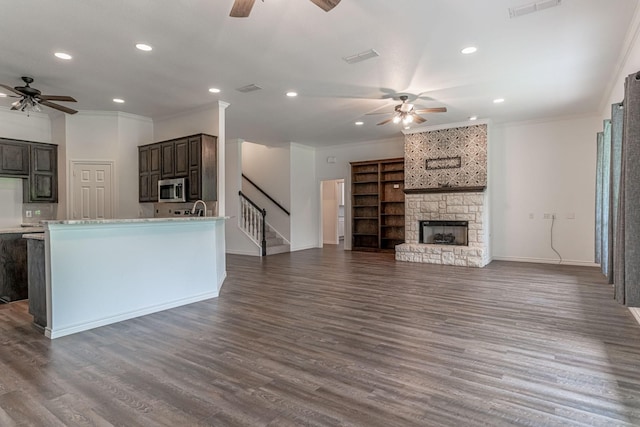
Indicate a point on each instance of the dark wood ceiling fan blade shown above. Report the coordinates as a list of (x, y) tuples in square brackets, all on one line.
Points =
[(384, 122), (11, 89), (326, 5), (431, 110), (58, 107), (57, 98), (241, 8)]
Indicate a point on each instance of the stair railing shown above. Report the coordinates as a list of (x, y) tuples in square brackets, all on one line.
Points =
[(252, 221), (266, 195)]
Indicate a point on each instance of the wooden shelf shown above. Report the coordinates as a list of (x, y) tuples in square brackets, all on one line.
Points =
[(380, 185)]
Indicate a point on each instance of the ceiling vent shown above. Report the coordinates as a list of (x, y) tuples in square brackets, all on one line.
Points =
[(362, 56), (515, 12), (248, 88)]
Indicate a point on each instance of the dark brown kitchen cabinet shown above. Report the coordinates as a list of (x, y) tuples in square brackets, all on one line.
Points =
[(14, 158), (43, 175), (193, 157), (35, 161), (149, 166), (175, 157)]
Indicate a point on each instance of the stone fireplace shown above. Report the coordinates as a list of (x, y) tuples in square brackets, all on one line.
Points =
[(445, 202)]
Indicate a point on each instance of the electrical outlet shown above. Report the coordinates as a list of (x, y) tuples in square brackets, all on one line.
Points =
[(28, 214), (38, 212), (531, 216), (549, 216)]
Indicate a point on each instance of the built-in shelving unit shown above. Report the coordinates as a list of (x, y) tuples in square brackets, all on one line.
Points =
[(377, 204)]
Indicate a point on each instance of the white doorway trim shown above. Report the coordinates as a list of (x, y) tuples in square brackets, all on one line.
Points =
[(107, 163)]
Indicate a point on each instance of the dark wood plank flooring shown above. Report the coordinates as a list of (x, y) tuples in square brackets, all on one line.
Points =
[(328, 337)]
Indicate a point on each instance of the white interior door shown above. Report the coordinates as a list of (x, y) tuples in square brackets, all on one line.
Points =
[(91, 190)]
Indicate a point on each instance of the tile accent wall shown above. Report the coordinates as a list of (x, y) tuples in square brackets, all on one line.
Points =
[(454, 157)]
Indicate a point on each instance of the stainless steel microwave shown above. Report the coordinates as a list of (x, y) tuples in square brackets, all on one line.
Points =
[(172, 190)]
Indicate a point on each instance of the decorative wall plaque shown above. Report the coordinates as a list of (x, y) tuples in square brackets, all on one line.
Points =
[(444, 163)]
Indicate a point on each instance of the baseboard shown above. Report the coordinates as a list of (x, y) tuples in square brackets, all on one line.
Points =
[(304, 248), (68, 330), (636, 313), (545, 261), (234, 252)]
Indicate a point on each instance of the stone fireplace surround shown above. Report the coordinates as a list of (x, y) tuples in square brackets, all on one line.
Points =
[(461, 206), (445, 180)]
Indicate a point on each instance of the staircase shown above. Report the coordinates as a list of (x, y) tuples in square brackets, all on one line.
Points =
[(252, 221), (275, 243)]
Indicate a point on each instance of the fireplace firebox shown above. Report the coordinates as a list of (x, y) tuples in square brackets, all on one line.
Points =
[(444, 232)]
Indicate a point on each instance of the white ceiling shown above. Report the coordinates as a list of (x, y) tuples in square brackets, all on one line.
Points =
[(558, 61)]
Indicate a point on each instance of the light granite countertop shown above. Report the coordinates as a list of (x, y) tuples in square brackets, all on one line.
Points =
[(133, 220), (21, 230), (33, 236)]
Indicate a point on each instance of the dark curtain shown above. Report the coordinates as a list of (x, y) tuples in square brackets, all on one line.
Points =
[(605, 211), (599, 173), (614, 181), (627, 248)]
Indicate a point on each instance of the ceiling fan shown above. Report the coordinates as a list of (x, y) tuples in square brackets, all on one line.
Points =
[(242, 8), (31, 98), (406, 113)]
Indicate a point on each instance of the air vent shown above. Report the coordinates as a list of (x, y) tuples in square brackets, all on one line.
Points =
[(362, 56), (248, 88), (515, 12)]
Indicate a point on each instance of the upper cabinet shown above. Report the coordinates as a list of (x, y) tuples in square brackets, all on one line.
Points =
[(192, 157), (14, 158), (38, 162), (43, 176)]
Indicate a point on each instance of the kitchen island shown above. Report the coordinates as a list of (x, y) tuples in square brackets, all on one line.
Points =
[(13, 263), (100, 272)]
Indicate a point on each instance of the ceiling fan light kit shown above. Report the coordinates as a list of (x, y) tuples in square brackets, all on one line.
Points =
[(31, 98), (407, 114)]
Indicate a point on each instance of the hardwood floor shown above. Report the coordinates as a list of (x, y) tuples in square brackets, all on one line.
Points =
[(328, 337)]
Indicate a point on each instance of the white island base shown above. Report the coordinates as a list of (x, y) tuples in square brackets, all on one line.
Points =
[(104, 271)]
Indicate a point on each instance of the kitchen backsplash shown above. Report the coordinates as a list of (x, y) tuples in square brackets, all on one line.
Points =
[(168, 210), (33, 213)]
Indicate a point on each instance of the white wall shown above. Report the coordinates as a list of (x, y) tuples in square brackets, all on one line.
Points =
[(109, 136), (341, 169), (629, 63), (538, 168), (236, 241), (268, 167), (17, 125), (133, 131), (305, 198)]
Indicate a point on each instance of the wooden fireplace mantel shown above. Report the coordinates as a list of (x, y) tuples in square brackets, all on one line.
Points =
[(478, 189)]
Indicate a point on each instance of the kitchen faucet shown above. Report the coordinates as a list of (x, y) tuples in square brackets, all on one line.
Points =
[(193, 209)]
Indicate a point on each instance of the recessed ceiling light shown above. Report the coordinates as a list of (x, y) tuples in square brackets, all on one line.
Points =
[(468, 50), (498, 101), (62, 55), (473, 118), (118, 100), (214, 90), (292, 94), (144, 47), (359, 123)]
